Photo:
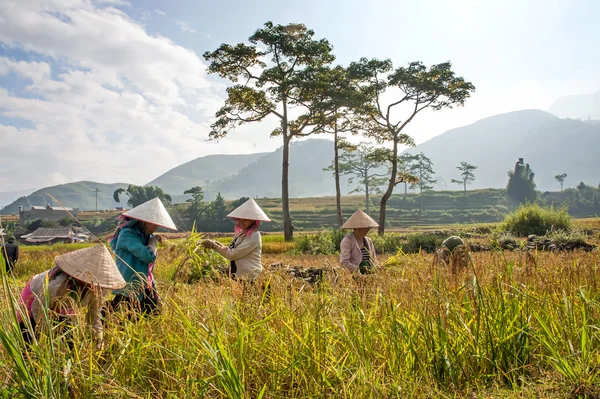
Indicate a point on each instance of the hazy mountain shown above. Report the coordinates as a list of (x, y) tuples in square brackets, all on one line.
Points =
[(306, 176), (75, 195), (210, 168), (585, 106), (8, 197), (549, 144)]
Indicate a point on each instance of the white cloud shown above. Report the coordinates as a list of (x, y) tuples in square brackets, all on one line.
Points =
[(160, 12), (115, 104), (185, 27)]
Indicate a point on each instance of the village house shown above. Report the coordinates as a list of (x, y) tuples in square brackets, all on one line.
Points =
[(50, 213), (53, 235)]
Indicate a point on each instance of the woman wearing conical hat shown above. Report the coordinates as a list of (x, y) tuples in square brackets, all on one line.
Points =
[(135, 244), (245, 250), (79, 278), (357, 252)]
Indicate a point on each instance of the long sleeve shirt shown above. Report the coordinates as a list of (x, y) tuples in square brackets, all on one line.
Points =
[(64, 301)]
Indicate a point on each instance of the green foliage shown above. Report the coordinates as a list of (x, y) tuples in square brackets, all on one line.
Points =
[(561, 179), (467, 175), (325, 242), (278, 71), (535, 219), (364, 165), (140, 194), (196, 263), (422, 241), (521, 186), (564, 237), (435, 87)]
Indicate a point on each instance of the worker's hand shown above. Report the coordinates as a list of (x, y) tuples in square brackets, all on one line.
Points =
[(159, 238), (210, 244), (152, 243)]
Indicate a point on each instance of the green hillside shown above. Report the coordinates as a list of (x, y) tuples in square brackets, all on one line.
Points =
[(75, 195), (443, 207)]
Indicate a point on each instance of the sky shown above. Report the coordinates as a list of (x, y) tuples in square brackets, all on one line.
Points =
[(117, 90)]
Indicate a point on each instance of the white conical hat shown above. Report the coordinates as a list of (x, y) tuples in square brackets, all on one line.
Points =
[(249, 210), (152, 211), (359, 220), (93, 265)]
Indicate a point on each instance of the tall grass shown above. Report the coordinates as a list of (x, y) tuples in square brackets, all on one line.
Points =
[(499, 329)]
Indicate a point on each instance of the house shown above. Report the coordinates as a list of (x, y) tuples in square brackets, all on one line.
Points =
[(51, 213), (53, 235)]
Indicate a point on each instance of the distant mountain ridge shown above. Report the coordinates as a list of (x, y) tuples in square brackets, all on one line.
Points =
[(201, 171), (549, 144), (583, 106), (74, 195)]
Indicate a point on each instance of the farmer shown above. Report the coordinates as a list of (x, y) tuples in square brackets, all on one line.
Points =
[(10, 253), (357, 252), (135, 246), (244, 253), (448, 246), (79, 278)]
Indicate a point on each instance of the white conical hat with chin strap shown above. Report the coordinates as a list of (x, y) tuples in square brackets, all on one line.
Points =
[(249, 210), (93, 265), (152, 211), (359, 220)]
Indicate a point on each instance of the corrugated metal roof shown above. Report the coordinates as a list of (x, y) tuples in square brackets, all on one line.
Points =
[(54, 232), (38, 207)]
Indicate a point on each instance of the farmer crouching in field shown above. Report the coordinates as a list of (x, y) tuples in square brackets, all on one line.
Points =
[(448, 247), (79, 278), (357, 252), (135, 246), (246, 246)]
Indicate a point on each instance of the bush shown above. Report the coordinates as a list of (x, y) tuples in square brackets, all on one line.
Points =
[(561, 237), (325, 242), (534, 219), (389, 243), (426, 242)]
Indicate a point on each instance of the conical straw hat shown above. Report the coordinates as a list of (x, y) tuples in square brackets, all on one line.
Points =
[(92, 265), (152, 211), (359, 220), (249, 210)]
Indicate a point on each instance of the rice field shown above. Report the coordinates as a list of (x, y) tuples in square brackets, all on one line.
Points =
[(510, 325)]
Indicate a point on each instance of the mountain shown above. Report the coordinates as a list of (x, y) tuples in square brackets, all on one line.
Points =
[(75, 195), (201, 170), (8, 197), (262, 178), (585, 106), (549, 144)]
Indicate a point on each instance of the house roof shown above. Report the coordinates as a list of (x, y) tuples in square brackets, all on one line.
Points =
[(52, 208), (45, 234)]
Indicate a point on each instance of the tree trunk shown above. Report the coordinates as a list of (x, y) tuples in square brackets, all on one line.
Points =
[(338, 194), (405, 189), (288, 228), (465, 187), (390, 189), (367, 190)]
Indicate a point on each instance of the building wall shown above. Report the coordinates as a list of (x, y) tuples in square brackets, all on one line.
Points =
[(29, 216)]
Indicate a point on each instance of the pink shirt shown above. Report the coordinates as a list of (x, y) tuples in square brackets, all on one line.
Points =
[(350, 254)]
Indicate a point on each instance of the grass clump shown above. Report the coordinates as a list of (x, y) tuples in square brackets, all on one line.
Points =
[(535, 219)]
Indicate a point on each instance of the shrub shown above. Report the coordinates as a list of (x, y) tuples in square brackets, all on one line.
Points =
[(561, 237), (418, 241), (326, 242), (388, 243), (534, 219)]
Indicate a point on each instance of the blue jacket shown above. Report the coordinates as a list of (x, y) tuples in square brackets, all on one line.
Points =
[(133, 259)]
